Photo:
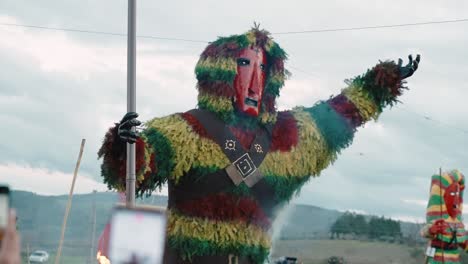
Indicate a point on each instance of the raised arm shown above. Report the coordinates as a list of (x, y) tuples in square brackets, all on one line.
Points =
[(114, 155), (364, 99)]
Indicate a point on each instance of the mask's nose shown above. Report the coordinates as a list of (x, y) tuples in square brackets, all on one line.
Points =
[(255, 83)]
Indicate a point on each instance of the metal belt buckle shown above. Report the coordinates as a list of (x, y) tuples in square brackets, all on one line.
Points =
[(244, 170), (245, 166)]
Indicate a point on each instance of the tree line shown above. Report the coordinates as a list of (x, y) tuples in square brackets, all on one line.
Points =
[(357, 225)]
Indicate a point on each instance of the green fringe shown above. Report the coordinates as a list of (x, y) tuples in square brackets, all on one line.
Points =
[(277, 52), (198, 172), (241, 190), (189, 248), (214, 74), (333, 127), (240, 40), (436, 200), (285, 187), (106, 171), (227, 116), (273, 87), (381, 95), (164, 160)]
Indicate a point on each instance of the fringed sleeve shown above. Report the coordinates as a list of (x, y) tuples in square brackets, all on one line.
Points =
[(114, 156), (364, 99)]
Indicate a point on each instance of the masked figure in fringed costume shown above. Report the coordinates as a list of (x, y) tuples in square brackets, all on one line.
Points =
[(444, 226), (234, 161)]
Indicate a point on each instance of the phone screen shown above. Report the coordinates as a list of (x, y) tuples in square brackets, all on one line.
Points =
[(137, 236), (4, 206)]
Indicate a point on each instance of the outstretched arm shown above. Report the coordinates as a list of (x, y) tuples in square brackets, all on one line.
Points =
[(364, 99)]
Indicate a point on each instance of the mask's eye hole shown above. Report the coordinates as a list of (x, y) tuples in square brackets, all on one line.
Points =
[(243, 62), (262, 67), (452, 194)]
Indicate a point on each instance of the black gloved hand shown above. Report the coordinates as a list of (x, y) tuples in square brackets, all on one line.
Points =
[(408, 70), (125, 128)]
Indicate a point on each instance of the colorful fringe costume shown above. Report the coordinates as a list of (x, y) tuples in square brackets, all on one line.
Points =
[(446, 245), (211, 219)]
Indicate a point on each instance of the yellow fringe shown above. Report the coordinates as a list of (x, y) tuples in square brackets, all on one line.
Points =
[(227, 64), (276, 77), (437, 208), (189, 148), (269, 45), (220, 232), (221, 104), (365, 105), (251, 38), (309, 157)]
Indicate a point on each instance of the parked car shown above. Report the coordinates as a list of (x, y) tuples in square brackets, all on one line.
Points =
[(286, 260), (39, 256), (336, 260)]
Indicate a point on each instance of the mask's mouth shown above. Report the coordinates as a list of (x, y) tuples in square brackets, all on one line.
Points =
[(251, 102)]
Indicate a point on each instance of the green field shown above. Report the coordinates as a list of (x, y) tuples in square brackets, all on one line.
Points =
[(64, 259), (353, 251)]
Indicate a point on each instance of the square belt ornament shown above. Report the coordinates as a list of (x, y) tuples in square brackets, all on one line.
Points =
[(244, 170)]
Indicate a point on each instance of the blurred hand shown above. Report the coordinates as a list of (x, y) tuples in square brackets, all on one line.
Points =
[(10, 248), (439, 227), (125, 127)]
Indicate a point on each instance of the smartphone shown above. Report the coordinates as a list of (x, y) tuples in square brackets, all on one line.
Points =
[(137, 235), (4, 208)]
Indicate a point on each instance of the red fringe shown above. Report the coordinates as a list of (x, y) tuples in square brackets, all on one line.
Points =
[(218, 88), (114, 155), (245, 137), (114, 152), (226, 207), (285, 133), (140, 162), (387, 76), (196, 125), (268, 102), (261, 38), (346, 109), (229, 49), (278, 66)]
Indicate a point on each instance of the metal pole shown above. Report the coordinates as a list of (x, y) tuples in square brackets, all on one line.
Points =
[(131, 98)]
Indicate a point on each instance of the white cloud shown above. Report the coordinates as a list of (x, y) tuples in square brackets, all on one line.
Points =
[(415, 202), (47, 182), (407, 218), (44, 181)]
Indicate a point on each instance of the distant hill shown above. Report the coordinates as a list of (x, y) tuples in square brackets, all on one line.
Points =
[(40, 220)]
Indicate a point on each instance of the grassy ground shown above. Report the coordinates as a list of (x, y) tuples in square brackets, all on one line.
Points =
[(353, 251)]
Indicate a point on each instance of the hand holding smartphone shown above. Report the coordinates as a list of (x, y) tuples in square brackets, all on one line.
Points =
[(137, 235)]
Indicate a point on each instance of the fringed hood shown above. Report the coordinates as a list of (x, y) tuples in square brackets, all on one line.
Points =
[(436, 208), (217, 68)]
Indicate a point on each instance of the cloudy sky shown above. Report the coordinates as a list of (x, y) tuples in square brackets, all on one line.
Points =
[(57, 87)]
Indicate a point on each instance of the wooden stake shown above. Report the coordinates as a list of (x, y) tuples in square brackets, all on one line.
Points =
[(67, 210)]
